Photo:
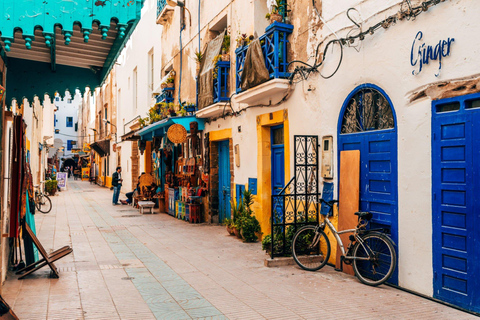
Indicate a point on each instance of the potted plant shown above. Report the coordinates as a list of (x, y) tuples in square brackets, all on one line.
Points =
[(241, 40), (198, 59), (226, 48), (170, 82), (215, 61), (274, 14), (190, 107), (51, 187), (229, 224)]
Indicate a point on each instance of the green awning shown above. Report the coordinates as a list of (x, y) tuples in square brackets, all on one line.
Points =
[(159, 129), (77, 41)]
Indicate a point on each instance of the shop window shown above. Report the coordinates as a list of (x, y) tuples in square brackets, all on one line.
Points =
[(367, 110), (69, 122)]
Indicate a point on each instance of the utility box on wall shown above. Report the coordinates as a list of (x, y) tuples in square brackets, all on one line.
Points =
[(327, 157)]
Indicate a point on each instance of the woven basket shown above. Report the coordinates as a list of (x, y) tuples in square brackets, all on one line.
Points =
[(177, 133)]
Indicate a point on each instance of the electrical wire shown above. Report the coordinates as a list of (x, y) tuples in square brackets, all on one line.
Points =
[(303, 72)]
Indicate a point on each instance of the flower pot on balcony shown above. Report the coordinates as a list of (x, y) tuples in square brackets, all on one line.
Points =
[(225, 57), (170, 85), (163, 85), (276, 17)]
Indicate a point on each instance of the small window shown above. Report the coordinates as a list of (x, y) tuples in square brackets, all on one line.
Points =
[(69, 122), (277, 136), (367, 110), (448, 107), (69, 145), (472, 104)]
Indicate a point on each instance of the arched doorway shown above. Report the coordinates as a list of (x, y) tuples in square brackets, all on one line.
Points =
[(367, 123)]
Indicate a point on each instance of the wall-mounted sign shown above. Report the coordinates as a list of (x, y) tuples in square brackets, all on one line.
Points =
[(86, 147), (422, 54)]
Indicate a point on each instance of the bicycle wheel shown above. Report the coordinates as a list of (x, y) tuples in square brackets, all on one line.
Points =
[(310, 249), (380, 260), (43, 204)]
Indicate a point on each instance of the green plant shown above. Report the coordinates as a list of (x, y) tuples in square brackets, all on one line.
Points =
[(198, 56), (250, 228), (226, 43), (170, 80), (50, 186), (267, 242), (215, 61)]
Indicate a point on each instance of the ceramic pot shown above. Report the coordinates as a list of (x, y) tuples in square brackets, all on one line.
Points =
[(225, 57), (276, 17)]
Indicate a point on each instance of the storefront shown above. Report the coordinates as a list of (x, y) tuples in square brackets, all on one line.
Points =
[(174, 155)]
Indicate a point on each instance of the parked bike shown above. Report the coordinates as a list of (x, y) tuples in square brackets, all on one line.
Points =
[(42, 201), (370, 251)]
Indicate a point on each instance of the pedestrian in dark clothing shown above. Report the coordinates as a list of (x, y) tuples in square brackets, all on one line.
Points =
[(117, 184)]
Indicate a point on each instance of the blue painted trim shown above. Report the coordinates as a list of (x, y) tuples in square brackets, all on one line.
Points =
[(159, 129), (220, 83)]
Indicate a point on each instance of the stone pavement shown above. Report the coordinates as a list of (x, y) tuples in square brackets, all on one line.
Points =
[(131, 266)]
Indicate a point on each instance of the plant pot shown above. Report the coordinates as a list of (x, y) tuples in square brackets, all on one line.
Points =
[(276, 17), (230, 231), (225, 57), (52, 192), (170, 85), (237, 233), (198, 69), (163, 85)]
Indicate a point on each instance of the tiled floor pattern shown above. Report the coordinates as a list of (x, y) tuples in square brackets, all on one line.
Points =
[(129, 266)]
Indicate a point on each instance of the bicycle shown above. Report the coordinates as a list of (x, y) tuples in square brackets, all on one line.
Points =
[(42, 201), (370, 251)]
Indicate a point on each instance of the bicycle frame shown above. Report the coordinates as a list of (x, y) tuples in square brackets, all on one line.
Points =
[(340, 242)]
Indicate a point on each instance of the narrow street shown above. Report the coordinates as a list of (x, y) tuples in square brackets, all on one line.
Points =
[(128, 266)]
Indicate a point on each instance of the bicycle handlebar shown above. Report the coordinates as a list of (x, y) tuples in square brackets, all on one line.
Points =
[(329, 203)]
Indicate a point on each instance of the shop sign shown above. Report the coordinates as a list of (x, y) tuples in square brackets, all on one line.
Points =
[(86, 147), (421, 54), (62, 179)]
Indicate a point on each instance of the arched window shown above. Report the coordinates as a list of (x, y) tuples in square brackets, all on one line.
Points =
[(367, 109)]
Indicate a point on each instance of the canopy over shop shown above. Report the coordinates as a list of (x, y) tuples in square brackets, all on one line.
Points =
[(177, 164)]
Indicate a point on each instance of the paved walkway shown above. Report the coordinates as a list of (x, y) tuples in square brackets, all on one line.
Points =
[(129, 266)]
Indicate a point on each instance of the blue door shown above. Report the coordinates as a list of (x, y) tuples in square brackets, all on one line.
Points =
[(456, 201), (278, 168), (223, 181), (368, 124)]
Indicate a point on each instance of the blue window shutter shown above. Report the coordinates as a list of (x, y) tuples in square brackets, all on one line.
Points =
[(239, 192)]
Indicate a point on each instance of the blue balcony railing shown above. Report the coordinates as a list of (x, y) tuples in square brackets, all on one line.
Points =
[(166, 95), (221, 92), (274, 47), (160, 5)]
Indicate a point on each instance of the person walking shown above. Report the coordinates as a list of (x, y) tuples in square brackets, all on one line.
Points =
[(117, 184)]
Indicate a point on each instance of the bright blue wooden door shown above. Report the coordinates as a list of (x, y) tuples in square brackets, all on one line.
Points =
[(278, 167), (456, 201), (224, 207), (378, 178), (367, 123)]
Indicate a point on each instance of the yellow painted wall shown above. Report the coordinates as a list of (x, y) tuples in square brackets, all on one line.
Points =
[(262, 206), (220, 135)]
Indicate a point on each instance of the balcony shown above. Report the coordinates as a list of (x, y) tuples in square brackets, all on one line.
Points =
[(164, 12), (166, 95), (221, 92), (274, 47)]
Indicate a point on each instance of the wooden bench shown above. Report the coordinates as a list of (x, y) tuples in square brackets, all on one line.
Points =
[(146, 204), (47, 258)]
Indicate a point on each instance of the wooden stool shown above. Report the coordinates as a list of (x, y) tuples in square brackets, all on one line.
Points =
[(146, 204)]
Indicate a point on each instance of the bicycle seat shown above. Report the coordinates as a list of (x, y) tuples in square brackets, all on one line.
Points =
[(364, 215)]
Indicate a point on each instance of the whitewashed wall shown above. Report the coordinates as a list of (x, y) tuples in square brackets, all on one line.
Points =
[(383, 60)]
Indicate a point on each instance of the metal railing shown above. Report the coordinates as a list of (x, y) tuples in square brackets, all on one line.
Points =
[(160, 5), (274, 47), (220, 82), (166, 95), (298, 203)]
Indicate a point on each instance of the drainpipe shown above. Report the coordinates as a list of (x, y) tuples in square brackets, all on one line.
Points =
[(199, 45), (181, 61)]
